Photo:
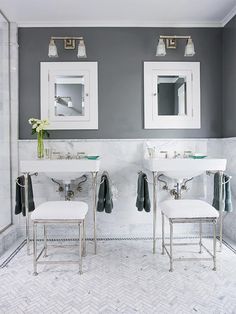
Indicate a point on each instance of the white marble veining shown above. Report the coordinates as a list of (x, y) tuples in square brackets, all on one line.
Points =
[(10, 235), (5, 197), (123, 159), (14, 106), (125, 277), (228, 151)]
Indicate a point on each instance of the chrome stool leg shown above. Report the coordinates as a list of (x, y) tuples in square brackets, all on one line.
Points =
[(84, 239), (45, 240), (80, 247), (214, 245), (163, 234), (200, 237), (171, 245), (35, 248)]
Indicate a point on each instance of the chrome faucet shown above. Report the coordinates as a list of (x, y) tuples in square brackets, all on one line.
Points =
[(176, 155)]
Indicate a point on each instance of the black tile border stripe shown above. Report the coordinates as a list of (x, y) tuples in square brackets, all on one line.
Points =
[(17, 250), (13, 254)]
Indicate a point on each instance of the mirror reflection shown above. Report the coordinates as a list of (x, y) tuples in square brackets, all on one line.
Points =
[(69, 96), (171, 100)]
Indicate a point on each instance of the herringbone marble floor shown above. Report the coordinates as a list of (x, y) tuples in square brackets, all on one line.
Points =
[(124, 277)]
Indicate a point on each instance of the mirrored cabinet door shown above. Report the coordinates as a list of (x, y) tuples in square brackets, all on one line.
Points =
[(172, 95), (69, 96)]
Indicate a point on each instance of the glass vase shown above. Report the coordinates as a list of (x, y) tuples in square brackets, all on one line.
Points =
[(40, 149)]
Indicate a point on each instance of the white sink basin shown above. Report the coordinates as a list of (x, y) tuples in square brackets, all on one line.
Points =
[(184, 168), (62, 169)]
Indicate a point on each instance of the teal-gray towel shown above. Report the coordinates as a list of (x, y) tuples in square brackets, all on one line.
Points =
[(224, 198), (105, 201), (228, 199), (20, 196), (143, 200)]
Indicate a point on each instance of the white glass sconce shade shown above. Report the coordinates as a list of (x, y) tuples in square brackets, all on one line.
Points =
[(81, 49), (52, 49), (189, 48), (161, 48)]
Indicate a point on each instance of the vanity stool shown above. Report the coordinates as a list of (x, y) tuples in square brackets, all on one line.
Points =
[(188, 211), (59, 212)]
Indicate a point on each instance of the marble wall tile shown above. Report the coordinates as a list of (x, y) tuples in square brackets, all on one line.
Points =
[(229, 152), (123, 160), (14, 107), (9, 236)]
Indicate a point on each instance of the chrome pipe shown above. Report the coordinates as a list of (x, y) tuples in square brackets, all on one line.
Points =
[(154, 209), (200, 237), (94, 183), (171, 246), (214, 245), (207, 250), (40, 254), (80, 247), (192, 259), (163, 233), (35, 249), (45, 239), (220, 208), (27, 212), (84, 239)]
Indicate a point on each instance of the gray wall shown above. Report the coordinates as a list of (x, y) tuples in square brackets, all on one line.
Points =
[(229, 79), (166, 99), (120, 53)]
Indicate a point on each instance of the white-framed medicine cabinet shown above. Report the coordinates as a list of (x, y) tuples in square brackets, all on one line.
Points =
[(69, 94), (172, 95)]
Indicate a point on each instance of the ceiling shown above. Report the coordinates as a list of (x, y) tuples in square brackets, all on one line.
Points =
[(175, 13)]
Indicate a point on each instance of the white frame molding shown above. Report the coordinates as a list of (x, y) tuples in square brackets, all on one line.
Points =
[(48, 73), (191, 70)]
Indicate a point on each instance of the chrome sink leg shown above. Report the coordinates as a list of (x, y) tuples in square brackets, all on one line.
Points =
[(154, 210), (94, 177)]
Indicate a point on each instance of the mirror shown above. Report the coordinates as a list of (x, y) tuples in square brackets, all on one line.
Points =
[(172, 95), (171, 100), (69, 97)]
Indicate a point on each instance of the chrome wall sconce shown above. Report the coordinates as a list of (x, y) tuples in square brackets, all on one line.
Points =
[(170, 42), (69, 43)]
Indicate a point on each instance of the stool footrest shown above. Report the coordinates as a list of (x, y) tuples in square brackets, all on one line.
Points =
[(58, 262), (183, 243), (190, 259)]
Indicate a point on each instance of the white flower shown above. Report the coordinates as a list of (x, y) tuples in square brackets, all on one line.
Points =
[(33, 121), (39, 128)]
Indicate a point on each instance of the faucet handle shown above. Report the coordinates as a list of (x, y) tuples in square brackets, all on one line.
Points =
[(164, 152), (176, 154)]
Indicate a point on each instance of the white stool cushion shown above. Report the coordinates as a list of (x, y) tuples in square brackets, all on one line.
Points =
[(60, 210), (188, 209)]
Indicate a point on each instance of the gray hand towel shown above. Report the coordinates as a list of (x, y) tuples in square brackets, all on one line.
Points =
[(143, 200), (105, 201), (140, 192), (20, 196), (228, 200), (101, 196), (224, 200)]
